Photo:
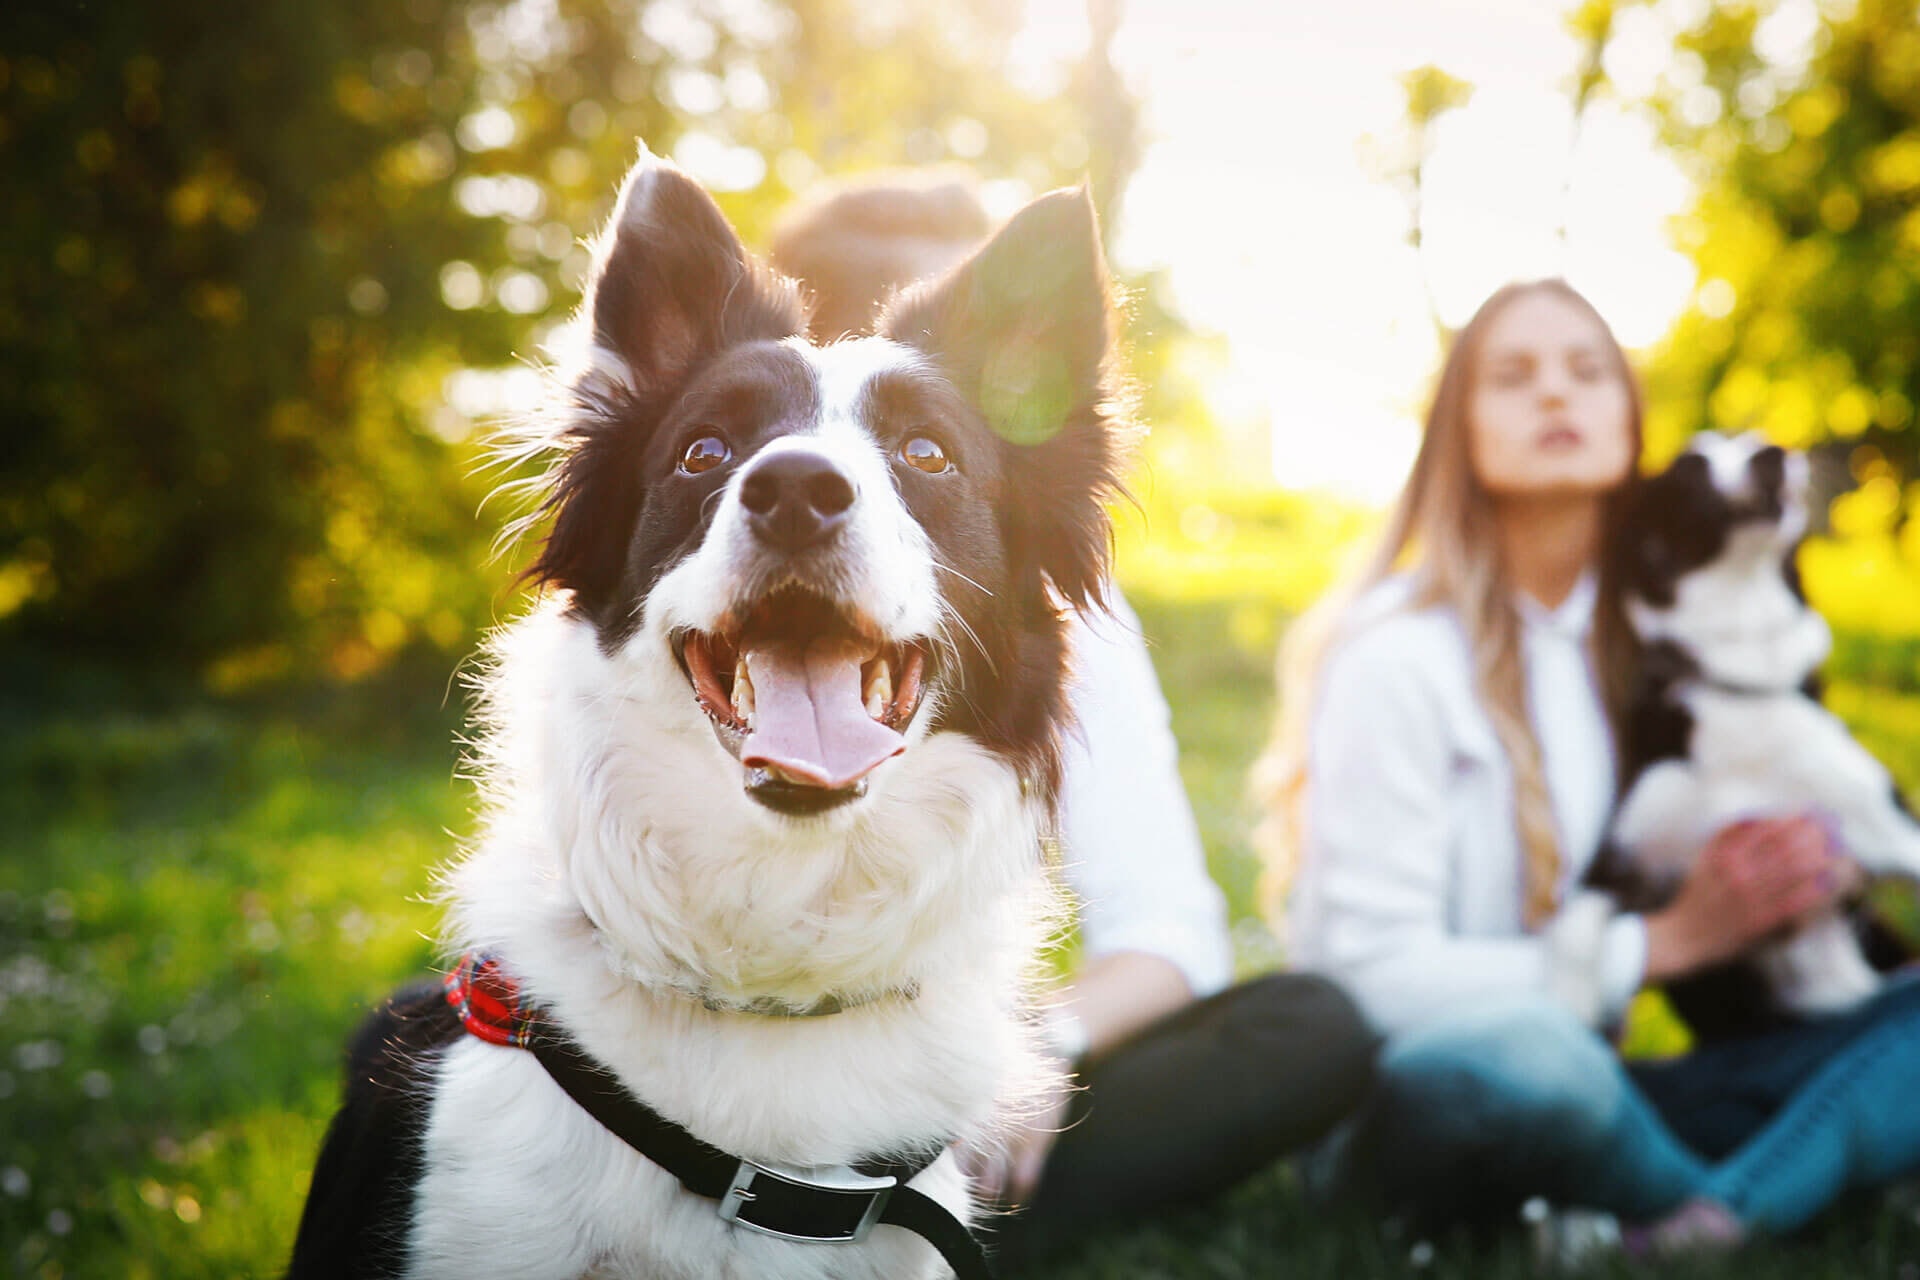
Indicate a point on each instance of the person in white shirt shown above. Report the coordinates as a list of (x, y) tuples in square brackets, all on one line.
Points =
[(1179, 1082), (1442, 779), (1182, 1083)]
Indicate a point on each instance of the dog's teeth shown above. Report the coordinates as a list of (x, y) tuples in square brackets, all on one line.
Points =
[(879, 690), (742, 692)]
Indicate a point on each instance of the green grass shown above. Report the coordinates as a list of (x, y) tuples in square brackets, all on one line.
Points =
[(195, 907), (1266, 1229), (197, 901)]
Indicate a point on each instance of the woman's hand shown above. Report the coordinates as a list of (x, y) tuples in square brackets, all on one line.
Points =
[(1753, 879)]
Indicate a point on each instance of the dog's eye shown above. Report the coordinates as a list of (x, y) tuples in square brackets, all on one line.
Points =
[(924, 454), (704, 453)]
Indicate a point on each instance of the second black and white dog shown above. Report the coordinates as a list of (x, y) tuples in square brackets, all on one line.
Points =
[(1726, 723), (766, 777)]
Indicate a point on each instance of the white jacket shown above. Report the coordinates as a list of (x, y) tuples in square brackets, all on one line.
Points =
[(1410, 889)]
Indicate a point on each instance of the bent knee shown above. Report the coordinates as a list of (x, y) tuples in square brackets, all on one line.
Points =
[(1299, 1016), (1520, 1067)]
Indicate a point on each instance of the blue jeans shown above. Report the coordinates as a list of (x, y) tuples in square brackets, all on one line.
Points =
[(1475, 1114)]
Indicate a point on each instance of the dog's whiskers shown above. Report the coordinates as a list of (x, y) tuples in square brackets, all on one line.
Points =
[(963, 577), (949, 613)]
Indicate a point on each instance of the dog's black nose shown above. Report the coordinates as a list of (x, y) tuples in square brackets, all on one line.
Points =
[(796, 499)]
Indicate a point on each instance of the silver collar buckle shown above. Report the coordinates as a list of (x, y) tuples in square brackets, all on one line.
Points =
[(829, 1204)]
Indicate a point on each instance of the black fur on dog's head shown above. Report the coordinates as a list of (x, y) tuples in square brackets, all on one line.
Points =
[(1685, 518), (983, 429)]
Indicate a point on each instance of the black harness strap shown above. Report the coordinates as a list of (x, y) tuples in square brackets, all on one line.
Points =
[(929, 1219), (774, 1201)]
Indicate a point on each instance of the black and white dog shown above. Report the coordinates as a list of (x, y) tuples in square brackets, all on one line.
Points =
[(1726, 722), (765, 775)]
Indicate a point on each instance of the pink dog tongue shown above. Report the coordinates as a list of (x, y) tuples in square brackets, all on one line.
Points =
[(808, 718)]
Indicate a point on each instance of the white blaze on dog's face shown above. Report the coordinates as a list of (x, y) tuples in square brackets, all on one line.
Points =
[(806, 616), (826, 553)]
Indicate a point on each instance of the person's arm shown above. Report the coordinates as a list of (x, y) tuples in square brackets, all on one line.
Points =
[(1130, 849), (1112, 997), (1108, 1000), (1152, 922)]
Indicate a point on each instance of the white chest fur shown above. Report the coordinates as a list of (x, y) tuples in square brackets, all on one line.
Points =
[(615, 870)]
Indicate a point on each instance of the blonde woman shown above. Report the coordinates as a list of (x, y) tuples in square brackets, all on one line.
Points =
[(1445, 774)]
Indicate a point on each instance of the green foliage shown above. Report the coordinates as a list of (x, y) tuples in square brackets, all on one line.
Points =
[(1806, 231), (249, 247), (1399, 157), (1430, 93), (1800, 126), (205, 284)]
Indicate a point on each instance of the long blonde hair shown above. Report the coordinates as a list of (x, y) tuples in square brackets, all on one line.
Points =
[(1442, 529)]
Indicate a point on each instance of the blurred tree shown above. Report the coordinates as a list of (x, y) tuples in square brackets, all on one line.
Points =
[(1591, 25), (1801, 125), (255, 254), (1113, 118), (1400, 158), (209, 262)]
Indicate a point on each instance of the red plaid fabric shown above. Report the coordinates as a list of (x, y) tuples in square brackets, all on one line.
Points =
[(488, 1001)]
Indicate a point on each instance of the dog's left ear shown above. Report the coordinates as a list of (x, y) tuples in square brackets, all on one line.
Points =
[(1025, 328)]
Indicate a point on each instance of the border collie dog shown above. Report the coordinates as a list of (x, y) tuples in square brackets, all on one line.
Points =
[(1726, 723), (766, 774)]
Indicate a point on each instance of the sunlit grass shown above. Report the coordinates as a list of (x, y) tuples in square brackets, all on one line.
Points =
[(1227, 542), (199, 906)]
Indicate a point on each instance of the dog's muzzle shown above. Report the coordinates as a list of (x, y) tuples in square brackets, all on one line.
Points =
[(803, 686)]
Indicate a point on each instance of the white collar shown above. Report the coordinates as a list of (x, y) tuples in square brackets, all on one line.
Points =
[(1572, 619)]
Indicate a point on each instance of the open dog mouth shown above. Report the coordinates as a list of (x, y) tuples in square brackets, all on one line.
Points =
[(806, 694)]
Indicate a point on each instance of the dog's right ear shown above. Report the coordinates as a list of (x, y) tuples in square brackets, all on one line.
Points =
[(671, 287)]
